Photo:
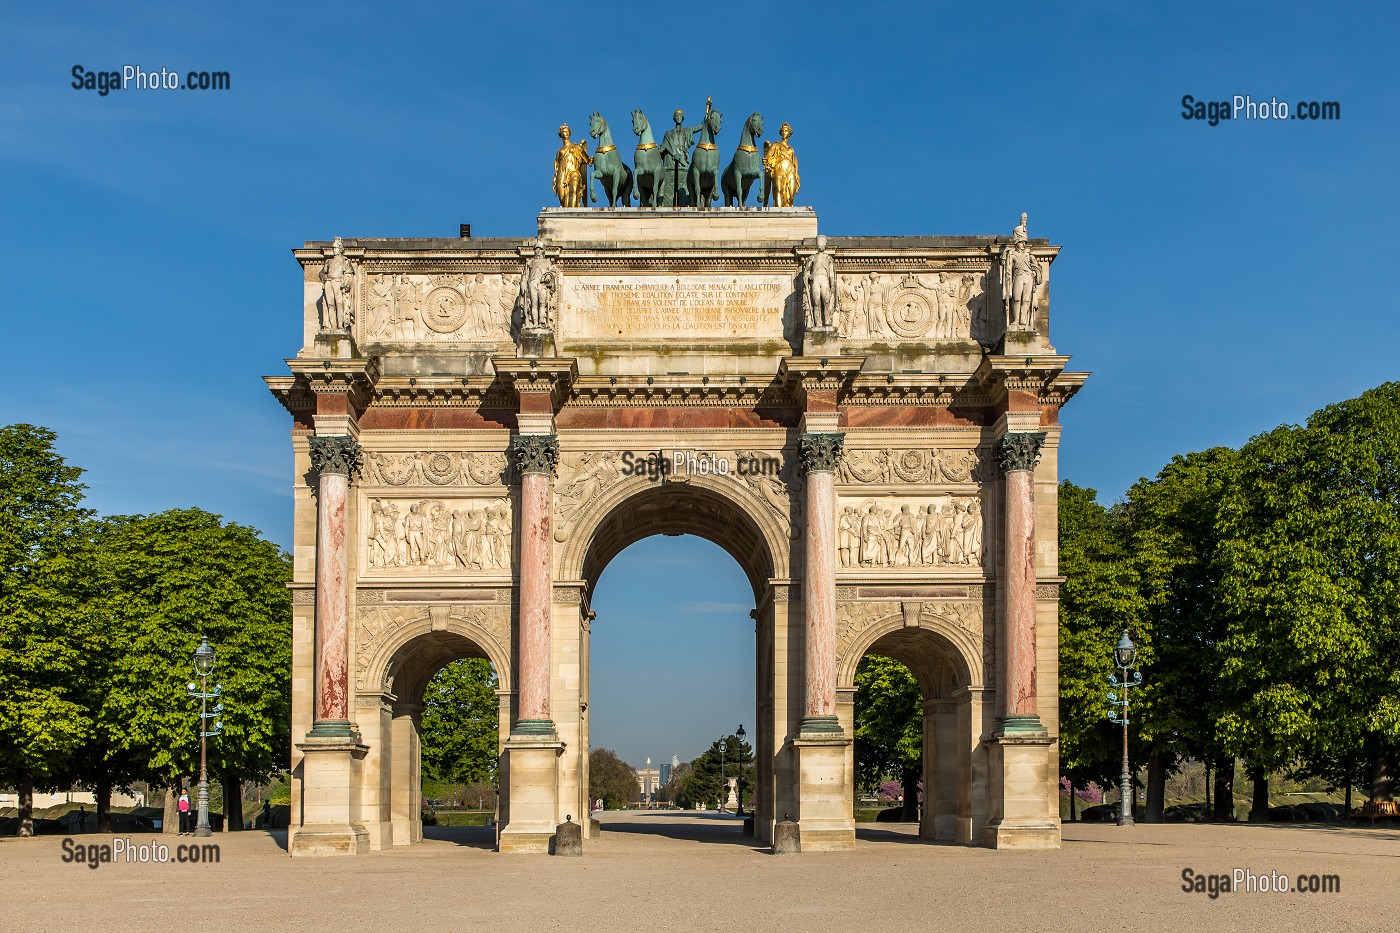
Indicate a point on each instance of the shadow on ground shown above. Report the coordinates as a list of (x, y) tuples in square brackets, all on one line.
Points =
[(710, 829), (475, 837)]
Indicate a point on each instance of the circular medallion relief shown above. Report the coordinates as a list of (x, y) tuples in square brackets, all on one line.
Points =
[(445, 310), (910, 314)]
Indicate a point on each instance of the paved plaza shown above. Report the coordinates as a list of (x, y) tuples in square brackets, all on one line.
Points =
[(664, 871)]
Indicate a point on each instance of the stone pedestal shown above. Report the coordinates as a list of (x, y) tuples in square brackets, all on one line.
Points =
[(530, 777), (1023, 765), (824, 801), (536, 343), (821, 341), (330, 800)]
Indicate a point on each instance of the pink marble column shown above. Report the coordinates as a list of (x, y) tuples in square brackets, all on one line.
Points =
[(1019, 453), (334, 458), (820, 454), (535, 457)]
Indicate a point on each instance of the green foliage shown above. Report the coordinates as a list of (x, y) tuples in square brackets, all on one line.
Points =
[(159, 582), (611, 780), (702, 781), (888, 721), (42, 651), (1100, 597), (461, 723)]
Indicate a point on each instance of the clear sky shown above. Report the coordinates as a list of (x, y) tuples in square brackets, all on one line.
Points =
[(1217, 280)]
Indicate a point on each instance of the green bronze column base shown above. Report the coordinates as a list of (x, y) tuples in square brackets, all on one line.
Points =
[(1020, 725), (331, 729), (824, 726), (534, 727)]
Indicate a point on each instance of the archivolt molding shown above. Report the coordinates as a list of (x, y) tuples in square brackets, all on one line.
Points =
[(960, 624), (380, 631), (579, 524)]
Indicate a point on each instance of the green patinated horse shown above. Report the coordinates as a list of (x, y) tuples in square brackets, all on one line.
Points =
[(747, 166), (647, 173), (608, 166), (704, 165)]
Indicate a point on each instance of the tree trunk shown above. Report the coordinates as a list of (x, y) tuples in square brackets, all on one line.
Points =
[(1073, 809), (1382, 776), (910, 813), (233, 804), (1208, 810), (1259, 808), (1346, 806), (1156, 787), (1224, 791), (170, 819), (26, 804), (102, 793)]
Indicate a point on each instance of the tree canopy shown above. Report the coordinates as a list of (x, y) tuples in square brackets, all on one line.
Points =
[(461, 722)]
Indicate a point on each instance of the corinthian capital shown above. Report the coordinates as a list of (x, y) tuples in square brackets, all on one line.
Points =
[(1020, 450), (821, 452), (335, 453), (535, 453)]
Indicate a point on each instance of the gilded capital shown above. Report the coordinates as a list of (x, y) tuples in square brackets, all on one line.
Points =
[(335, 453), (821, 452), (1020, 450), (535, 453)]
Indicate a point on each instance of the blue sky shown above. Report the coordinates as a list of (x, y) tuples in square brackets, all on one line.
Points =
[(1217, 280)]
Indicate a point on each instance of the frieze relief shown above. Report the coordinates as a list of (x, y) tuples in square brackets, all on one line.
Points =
[(903, 531), (854, 618), (438, 536), (885, 466), (436, 468), (451, 307), (925, 306)]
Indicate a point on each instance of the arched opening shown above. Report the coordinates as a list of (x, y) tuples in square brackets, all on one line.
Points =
[(947, 722), (417, 664), (679, 638)]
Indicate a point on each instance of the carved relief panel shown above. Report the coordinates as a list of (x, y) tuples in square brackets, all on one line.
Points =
[(444, 307), (430, 536), (883, 466), (893, 531), (925, 306)]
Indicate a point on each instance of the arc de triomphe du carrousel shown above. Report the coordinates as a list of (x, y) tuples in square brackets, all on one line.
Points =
[(868, 425)]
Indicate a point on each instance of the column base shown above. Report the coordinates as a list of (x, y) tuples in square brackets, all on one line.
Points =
[(1020, 771), (825, 822), (530, 807), (329, 839), (821, 727), (1020, 725), (535, 729), (332, 729)]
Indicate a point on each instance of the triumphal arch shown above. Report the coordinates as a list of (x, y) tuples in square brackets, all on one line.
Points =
[(869, 425)]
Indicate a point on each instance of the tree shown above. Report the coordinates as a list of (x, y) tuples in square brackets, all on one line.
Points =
[(611, 780), (42, 721), (889, 735), (1310, 577), (161, 581), (705, 779), (1174, 543), (461, 720), (1100, 597)]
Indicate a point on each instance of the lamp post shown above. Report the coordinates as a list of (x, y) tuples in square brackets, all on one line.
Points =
[(723, 778), (204, 666), (1125, 656), (740, 735)]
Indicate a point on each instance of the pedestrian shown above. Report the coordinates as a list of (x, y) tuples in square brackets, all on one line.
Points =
[(267, 814), (82, 818), (185, 814)]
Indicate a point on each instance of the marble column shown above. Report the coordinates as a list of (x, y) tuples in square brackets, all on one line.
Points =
[(536, 456), (1019, 452), (334, 458), (820, 454)]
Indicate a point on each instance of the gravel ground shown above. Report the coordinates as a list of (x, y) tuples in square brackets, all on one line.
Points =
[(694, 872)]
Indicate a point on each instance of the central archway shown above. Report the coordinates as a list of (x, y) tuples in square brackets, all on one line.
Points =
[(725, 512)]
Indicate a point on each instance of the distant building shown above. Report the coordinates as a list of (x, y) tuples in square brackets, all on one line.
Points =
[(665, 775), (649, 781)]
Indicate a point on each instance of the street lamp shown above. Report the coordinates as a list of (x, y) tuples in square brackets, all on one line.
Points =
[(204, 666), (723, 778), (740, 735), (1125, 656)]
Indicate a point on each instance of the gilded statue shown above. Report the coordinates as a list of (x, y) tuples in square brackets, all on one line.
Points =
[(570, 163), (781, 180), (337, 285)]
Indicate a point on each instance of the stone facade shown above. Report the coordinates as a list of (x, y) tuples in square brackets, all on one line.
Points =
[(498, 418)]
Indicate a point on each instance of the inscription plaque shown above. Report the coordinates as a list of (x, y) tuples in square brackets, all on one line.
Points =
[(670, 307)]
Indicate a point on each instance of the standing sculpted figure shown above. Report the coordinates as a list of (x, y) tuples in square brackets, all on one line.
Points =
[(781, 180), (337, 281), (537, 291), (819, 287), (1020, 277), (569, 164), (675, 158)]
